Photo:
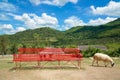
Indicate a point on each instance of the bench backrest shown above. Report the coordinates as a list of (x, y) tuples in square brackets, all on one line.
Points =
[(47, 54), (47, 50)]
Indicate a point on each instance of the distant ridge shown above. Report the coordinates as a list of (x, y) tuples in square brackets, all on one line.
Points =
[(79, 35)]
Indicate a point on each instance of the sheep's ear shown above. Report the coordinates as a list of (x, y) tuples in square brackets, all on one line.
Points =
[(113, 64)]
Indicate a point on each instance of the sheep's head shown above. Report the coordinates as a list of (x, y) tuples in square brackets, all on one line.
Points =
[(112, 64)]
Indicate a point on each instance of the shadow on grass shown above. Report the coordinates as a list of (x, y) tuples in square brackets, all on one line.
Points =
[(47, 68), (101, 66)]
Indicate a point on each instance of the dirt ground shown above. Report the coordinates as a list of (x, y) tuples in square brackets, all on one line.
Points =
[(87, 72)]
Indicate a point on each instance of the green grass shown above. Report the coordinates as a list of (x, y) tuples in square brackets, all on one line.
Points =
[(87, 61), (8, 64), (117, 62)]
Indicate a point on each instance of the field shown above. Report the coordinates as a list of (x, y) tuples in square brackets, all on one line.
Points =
[(51, 72)]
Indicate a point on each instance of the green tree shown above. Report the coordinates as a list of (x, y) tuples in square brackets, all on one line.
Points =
[(14, 49), (36, 39), (3, 45)]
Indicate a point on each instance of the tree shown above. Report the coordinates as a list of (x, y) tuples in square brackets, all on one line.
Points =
[(13, 49), (37, 39), (3, 45)]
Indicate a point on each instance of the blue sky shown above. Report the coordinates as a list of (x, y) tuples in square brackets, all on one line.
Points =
[(20, 15)]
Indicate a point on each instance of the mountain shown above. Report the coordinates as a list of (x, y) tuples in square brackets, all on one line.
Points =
[(102, 34), (111, 29)]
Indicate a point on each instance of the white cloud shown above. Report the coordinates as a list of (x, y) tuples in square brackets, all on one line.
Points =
[(18, 29), (112, 9), (8, 29), (72, 21), (44, 20), (7, 7), (100, 21), (53, 2), (33, 21), (3, 17), (36, 2)]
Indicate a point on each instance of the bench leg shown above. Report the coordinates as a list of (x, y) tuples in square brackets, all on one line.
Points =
[(79, 64), (38, 63), (20, 65), (16, 64), (59, 64), (76, 65)]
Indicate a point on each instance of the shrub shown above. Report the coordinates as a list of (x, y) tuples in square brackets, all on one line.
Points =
[(90, 51), (115, 52)]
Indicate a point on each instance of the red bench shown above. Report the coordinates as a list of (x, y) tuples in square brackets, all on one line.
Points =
[(47, 54)]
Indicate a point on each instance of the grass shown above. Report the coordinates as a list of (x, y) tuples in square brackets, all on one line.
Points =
[(117, 61), (7, 63)]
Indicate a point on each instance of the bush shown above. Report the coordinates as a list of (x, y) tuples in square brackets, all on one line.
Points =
[(90, 52), (115, 52)]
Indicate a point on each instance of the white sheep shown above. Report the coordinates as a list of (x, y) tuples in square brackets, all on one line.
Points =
[(102, 57)]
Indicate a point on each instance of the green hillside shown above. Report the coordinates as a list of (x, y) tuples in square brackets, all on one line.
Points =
[(111, 29), (103, 34), (41, 33)]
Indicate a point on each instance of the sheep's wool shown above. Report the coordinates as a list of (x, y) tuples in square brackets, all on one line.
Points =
[(103, 57)]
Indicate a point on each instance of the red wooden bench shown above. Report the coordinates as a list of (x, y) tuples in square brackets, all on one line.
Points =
[(47, 54)]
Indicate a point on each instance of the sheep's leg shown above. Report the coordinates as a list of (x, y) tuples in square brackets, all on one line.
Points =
[(93, 62), (105, 64), (97, 63)]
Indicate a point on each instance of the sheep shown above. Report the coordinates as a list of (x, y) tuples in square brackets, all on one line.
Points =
[(102, 57)]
